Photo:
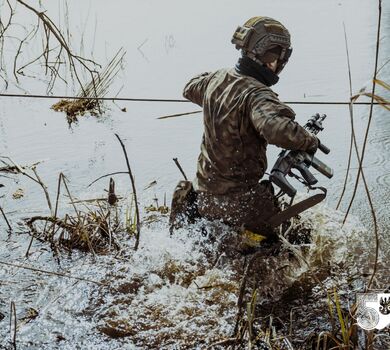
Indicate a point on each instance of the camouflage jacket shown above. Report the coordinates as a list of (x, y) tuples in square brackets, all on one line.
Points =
[(241, 117)]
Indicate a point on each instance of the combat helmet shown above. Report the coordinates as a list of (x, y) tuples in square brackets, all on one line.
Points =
[(264, 39)]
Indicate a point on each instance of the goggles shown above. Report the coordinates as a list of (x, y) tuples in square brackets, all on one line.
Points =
[(283, 59)]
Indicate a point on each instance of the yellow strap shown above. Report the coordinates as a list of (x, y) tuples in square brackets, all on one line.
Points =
[(252, 239)]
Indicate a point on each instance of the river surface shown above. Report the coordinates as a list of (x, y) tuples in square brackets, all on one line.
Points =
[(166, 43)]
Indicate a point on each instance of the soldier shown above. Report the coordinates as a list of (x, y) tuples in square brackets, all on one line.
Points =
[(242, 115)]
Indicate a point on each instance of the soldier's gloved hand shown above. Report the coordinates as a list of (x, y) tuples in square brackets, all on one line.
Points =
[(313, 149)]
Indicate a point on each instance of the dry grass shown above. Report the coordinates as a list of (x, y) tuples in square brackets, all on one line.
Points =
[(88, 99), (92, 231)]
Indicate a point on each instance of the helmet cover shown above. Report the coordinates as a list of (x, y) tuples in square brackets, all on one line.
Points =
[(264, 40)]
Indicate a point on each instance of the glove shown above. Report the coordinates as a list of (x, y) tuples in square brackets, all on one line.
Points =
[(313, 149)]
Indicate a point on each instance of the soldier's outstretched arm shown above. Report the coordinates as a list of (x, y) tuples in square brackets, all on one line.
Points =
[(196, 87), (274, 121)]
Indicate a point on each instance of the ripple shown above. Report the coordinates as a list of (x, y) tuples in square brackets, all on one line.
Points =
[(384, 181), (379, 150), (381, 140)]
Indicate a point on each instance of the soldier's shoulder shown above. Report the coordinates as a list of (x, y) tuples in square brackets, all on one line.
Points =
[(222, 72), (261, 92)]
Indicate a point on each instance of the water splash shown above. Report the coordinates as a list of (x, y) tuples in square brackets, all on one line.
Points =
[(178, 290)]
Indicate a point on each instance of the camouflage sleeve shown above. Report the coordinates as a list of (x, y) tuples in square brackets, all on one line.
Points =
[(275, 123), (196, 87)]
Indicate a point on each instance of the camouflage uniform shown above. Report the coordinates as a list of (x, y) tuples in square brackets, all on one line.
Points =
[(241, 117)]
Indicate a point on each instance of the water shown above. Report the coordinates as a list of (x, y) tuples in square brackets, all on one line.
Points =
[(179, 39)]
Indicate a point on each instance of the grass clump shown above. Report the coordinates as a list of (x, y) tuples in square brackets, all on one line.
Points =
[(89, 99)]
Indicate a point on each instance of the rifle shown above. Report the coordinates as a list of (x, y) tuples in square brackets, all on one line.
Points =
[(301, 161)]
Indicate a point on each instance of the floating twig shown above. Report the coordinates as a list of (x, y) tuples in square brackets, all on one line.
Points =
[(138, 224), (19, 266), (30, 244), (5, 218), (110, 174), (40, 182), (180, 168), (12, 317), (178, 115)]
